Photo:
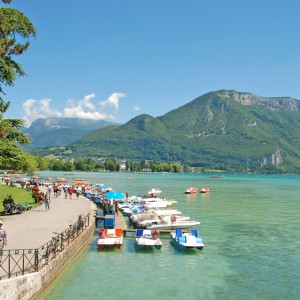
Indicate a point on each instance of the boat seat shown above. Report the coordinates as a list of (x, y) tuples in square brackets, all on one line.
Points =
[(118, 232), (182, 239), (194, 232), (147, 233), (139, 233), (178, 232), (110, 233)]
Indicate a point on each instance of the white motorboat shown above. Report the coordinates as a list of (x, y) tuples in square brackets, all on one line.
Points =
[(173, 222), (157, 202), (154, 216), (154, 191)]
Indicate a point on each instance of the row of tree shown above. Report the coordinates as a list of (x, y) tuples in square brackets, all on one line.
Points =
[(109, 164)]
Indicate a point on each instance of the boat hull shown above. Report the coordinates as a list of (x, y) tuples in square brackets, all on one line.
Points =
[(104, 246), (142, 246)]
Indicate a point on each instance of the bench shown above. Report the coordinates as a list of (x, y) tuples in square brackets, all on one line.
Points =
[(26, 205)]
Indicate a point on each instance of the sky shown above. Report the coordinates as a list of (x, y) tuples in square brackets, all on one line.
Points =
[(116, 59)]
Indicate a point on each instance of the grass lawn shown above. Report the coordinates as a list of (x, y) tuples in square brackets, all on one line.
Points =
[(18, 194)]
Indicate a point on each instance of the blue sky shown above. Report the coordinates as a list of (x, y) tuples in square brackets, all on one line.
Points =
[(116, 59)]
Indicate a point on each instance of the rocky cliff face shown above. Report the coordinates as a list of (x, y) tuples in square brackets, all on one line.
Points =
[(272, 103), (274, 159)]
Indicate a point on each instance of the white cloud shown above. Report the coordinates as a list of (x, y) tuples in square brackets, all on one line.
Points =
[(112, 101), (136, 108), (78, 112), (45, 108), (83, 108), (87, 102), (35, 109), (27, 105)]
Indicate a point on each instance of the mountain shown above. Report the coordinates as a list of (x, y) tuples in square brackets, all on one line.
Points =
[(224, 129), (61, 131)]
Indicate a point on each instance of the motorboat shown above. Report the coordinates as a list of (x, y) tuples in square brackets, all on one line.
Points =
[(186, 240), (173, 222), (145, 238), (191, 190), (152, 216), (158, 202), (204, 190), (110, 238), (135, 219), (153, 192)]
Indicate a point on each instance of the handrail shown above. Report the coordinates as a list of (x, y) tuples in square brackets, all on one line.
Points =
[(16, 262)]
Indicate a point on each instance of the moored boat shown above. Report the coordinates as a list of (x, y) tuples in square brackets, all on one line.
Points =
[(147, 239), (173, 222), (110, 238), (154, 191), (186, 240)]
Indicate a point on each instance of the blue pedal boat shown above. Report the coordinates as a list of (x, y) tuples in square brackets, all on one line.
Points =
[(186, 240)]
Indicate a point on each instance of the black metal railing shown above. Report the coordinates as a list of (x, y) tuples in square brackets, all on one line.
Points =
[(17, 262)]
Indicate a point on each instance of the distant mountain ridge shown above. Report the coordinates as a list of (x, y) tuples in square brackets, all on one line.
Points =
[(225, 129), (61, 131)]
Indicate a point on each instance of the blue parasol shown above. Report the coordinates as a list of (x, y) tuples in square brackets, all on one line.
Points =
[(114, 195)]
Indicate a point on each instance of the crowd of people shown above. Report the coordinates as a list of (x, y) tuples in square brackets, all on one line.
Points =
[(54, 190)]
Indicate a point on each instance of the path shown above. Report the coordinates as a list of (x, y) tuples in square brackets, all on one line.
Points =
[(33, 228)]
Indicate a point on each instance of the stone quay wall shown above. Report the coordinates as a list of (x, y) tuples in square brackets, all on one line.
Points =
[(27, 287)]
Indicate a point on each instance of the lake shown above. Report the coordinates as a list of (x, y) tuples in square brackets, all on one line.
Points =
[(249, 225)]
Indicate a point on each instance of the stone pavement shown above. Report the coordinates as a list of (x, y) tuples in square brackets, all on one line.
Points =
[(35, 227)]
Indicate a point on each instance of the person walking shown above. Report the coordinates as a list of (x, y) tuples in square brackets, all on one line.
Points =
[(65, 189), (41, 199), (77, 191), (70, 191), (3, 239), (47, 201)]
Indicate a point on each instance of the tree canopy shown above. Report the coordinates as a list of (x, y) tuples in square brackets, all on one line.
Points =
[(15, 31)]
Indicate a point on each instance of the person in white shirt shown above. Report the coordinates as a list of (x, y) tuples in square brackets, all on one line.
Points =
[(3, 239)]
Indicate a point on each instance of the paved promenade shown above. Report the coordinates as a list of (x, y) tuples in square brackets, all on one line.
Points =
[(35, 227)]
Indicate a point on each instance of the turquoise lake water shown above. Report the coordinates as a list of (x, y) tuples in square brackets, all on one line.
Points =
[(250, 225)]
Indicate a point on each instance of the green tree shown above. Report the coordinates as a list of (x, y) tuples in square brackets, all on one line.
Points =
[(68, 166), (111, 164), (43, 163), (13, 24)]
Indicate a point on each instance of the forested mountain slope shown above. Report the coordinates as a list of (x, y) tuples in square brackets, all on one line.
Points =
[(224, 129)]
